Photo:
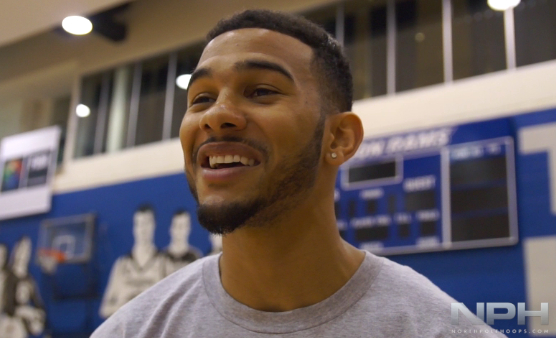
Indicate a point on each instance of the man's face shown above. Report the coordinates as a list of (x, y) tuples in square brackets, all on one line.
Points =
[(143, 227), (252, 98), (181, 227), (21, 256), (3, 256), (23, 292)]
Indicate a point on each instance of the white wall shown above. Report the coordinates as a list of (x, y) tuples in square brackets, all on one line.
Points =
[(477, 98), (50, 62), (10, 118), (484, 97)]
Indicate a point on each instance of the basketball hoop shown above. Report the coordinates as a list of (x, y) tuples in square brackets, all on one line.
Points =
[(49, 260)]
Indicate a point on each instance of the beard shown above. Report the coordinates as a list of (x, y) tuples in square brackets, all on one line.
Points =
[(295, 175)]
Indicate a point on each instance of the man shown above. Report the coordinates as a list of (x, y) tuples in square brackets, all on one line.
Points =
[(179, 253), (24, 311), (134, 273), (4, 273), (267, 126)]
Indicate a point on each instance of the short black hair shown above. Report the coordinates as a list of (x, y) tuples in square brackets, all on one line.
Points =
[(181, 212), (332, 66), (145, 208)]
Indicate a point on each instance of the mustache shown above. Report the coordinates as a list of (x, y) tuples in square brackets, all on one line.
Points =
[(253, 144)]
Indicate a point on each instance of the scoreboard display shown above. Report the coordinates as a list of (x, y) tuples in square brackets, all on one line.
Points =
[(438, 189)]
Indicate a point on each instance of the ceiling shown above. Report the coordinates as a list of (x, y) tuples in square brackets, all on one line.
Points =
[(20, 19)]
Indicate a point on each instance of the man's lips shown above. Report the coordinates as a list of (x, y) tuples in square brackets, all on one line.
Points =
[(227, 155), (219, 161), (225, 175)]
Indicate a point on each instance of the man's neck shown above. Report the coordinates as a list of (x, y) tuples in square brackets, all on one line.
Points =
[(296, 263), (178, 248), (142, 253)]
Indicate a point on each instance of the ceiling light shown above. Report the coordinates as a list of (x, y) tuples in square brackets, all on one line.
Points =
[(183, 81), (82, 110), (502, 5), (77, 25)]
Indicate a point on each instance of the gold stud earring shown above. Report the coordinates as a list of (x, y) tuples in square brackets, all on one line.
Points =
[(333, 155)]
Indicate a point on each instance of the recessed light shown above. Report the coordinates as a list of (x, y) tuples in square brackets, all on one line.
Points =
[(502, 5), (82, 110), (182, 81), (77, 25)]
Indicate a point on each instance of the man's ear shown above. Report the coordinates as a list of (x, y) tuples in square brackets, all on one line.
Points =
[(346, 134)]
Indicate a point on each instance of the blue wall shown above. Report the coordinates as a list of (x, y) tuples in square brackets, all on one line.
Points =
[(470, 276)]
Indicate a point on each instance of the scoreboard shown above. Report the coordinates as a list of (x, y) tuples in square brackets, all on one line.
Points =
[(444, 188)]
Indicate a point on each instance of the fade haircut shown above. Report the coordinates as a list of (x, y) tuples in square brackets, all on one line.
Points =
[(329, 63), (180, 212), (145, 208)]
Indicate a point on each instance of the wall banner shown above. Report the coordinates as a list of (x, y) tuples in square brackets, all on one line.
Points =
[(27, 165)]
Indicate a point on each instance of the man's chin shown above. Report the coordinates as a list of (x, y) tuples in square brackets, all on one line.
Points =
[(224, 218)]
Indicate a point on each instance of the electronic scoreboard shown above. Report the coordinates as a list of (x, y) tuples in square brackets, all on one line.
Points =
[(437, 189)]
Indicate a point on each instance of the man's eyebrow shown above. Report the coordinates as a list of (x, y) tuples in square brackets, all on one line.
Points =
[(262, 64), (199, 73)]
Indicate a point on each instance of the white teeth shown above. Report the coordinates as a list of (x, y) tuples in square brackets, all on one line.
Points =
[(215, 160)]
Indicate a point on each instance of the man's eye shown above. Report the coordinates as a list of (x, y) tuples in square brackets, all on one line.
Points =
[(262, 92), (202, 99)]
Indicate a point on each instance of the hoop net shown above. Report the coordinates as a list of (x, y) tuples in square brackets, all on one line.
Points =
[(49, 260)]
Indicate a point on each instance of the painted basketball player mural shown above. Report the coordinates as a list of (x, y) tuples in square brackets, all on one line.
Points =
[(22, 308), (145, 265), (216, 244), (180, 253), (137, 271), (3, 273)]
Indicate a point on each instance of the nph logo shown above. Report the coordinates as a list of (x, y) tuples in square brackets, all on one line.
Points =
[(491, 315)]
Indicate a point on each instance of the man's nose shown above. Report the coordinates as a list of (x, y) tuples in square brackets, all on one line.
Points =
[(224, 115)]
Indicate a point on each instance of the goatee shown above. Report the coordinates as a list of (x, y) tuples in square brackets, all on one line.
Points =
[(295, 175)]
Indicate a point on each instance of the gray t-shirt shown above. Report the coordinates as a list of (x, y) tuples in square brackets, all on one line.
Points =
[(382, 299)]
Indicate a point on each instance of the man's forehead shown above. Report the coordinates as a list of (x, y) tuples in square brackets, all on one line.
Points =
[(258, 41), (144, 214)]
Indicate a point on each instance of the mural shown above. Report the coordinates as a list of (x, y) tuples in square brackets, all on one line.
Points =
[(180, 253), (135, 245), (22, 308), (145, 265), (216, 244)]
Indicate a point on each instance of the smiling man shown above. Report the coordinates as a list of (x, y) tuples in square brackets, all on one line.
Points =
[(267, 126)]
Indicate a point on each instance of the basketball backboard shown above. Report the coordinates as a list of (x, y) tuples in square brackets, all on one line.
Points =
[(72, 236)]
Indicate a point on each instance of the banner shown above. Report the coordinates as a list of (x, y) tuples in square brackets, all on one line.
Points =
[(27, 165)]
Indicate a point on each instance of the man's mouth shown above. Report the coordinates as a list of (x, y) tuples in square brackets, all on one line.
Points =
[(228, 161)]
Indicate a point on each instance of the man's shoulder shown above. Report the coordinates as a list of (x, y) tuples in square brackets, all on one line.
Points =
[(407, 302), (405, 284), (185, 287)]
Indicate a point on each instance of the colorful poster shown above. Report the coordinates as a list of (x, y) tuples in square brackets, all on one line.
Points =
[(27, 165)]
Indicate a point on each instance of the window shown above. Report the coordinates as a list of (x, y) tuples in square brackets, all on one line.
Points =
[(60, 111), (324, 17), (150, 116), (365, 46), (535, 31), (118, 109), (87, 124), (145, 102), (478, 38), (106, 97), (187, 60), (419, 60)]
